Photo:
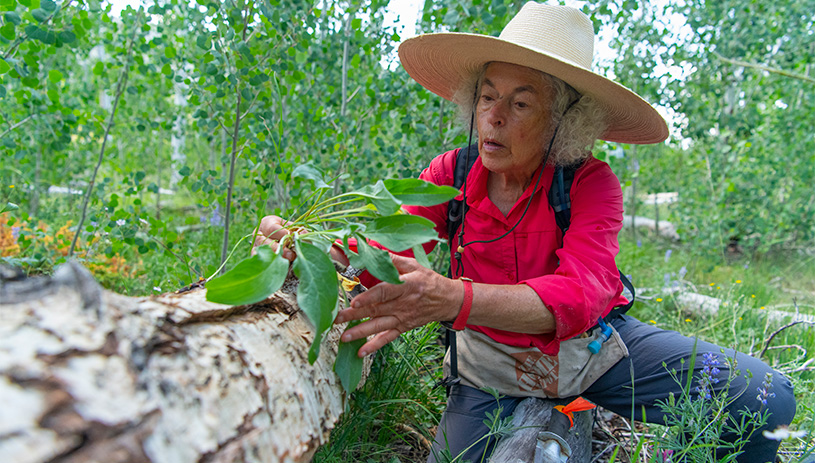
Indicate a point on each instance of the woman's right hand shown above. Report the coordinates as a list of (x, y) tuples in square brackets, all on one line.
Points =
[(271, 230)]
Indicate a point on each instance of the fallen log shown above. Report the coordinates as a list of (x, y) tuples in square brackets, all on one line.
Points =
[(87, 375)]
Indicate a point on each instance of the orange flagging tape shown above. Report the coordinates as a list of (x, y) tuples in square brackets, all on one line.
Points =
[(578, 405)]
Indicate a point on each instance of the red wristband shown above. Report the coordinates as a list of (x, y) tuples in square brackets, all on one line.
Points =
[(461, 320)]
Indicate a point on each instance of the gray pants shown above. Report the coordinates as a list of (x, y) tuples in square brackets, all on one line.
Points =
[(462, 422)]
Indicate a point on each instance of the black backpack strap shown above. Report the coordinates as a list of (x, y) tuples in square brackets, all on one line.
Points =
[(560, 200), (465, 158), (559, 197), (617, 311)]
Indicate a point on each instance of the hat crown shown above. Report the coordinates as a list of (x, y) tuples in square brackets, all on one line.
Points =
[(561, 32)]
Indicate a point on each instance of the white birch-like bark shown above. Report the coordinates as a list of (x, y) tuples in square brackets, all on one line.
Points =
[(87, 375)]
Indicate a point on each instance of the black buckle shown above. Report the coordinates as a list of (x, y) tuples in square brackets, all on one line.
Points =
[(447, 382)]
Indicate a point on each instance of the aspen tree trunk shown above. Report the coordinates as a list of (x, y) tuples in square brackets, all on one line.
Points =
[(87, 375)]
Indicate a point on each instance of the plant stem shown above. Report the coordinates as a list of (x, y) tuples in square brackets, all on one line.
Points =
[(119, 90), (232, 162), (326, 206), (234, 248), (16, 125)]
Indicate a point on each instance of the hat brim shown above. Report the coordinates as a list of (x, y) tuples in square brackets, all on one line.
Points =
[(441, 62)]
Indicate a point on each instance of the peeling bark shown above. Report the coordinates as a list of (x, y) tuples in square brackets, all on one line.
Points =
[(92, 376)]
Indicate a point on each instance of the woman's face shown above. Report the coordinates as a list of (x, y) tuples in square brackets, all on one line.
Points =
[(514, 117)]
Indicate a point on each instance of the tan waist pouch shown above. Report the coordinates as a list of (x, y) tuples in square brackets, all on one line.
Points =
[(527, 372)]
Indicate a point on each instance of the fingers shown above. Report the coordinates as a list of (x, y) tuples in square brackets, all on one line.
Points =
[(381, 328), (404, 264), (273, 227), (370, 327), (379, 341), (270, 231)]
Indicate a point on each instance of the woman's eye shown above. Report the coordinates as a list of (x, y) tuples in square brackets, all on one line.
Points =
[(521, 104)]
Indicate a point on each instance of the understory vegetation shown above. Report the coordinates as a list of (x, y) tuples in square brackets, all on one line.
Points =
[(147, 141)]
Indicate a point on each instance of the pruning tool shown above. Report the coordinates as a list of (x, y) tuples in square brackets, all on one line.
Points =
[(551, 445)]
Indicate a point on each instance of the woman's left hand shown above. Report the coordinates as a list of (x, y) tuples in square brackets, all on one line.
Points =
[(423, 297)]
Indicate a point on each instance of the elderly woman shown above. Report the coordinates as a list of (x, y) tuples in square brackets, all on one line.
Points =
[(530, 297)]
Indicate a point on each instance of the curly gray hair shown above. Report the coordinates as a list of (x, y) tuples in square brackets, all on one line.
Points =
[(580, 126)]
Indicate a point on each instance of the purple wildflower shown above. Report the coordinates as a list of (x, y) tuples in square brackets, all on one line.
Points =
[(216, 220), (710, 364), (639, 243), (682, 272), (668, 254), (667, 279), (764, 391), (15, 232)]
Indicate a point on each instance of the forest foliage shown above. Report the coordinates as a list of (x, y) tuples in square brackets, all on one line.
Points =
[(169, 128)]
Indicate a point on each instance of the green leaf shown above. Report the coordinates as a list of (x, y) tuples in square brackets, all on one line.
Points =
[(379, 196), (67, 37), (421, 256), (98, 68), (252, 280), (9, 207), (8, 32), (203, 41), (12, 17), (54, 75), (310, 172), (317, 293), (39, 14), (185, 171), (246, 52), (348, 365), (401, 232), (376, 261), (48, 5), (4, 66), (169, 52), (418, 192)]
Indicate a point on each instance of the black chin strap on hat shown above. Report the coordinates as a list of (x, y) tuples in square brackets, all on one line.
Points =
[(462, 244)]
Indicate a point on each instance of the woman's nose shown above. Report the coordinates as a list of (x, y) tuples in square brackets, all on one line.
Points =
[(496, 115)]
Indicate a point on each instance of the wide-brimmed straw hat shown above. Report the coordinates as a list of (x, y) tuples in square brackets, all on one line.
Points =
[(558, 40)]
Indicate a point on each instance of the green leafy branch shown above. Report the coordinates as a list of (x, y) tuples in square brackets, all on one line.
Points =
[(373, 213)]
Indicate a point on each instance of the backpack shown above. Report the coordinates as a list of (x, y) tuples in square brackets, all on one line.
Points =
[(560, 201)]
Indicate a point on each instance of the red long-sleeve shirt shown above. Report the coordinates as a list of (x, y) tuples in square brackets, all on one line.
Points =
[(578, 281)]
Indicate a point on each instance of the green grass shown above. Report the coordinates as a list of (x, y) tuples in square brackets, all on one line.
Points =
[(393, 416), (750, 288)]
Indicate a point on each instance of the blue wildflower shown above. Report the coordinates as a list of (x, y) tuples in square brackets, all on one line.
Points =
[(216, 220), (15, 232), (710, 371), (764, 391), (668, 254), (682, 272)]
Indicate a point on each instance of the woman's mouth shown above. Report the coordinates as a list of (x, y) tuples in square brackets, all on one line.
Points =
[(491, 144)]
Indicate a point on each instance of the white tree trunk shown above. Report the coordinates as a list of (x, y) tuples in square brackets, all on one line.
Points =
[(88, 375)]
